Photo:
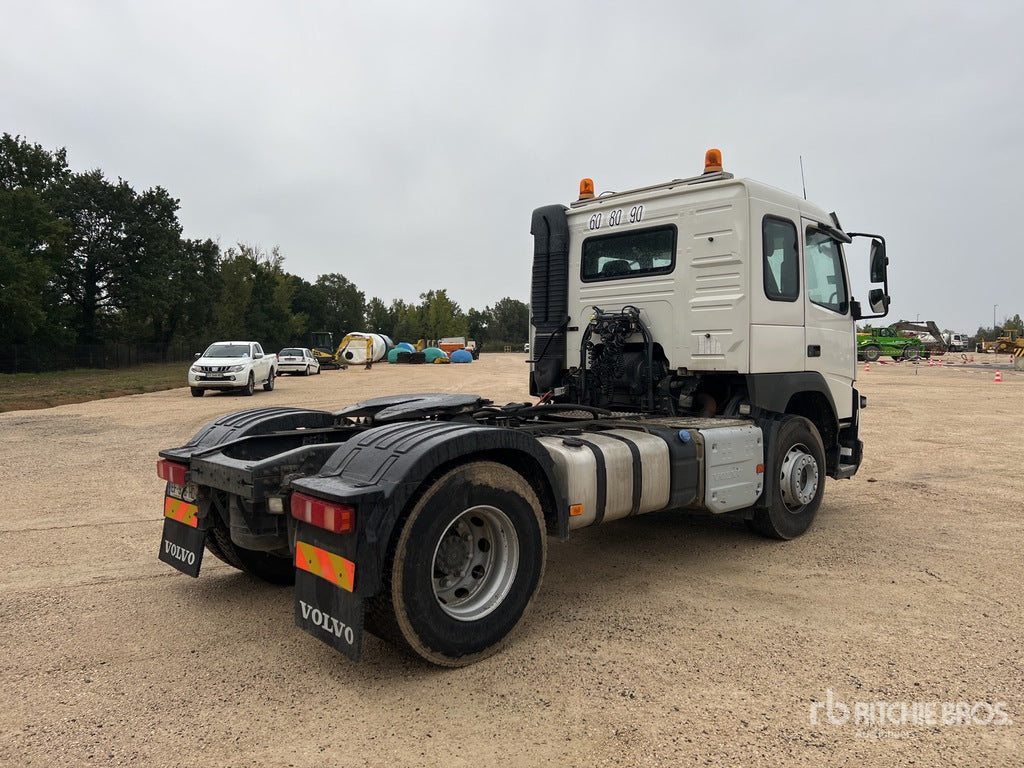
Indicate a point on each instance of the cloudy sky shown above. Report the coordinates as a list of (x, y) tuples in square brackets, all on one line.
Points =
[(405, 144)]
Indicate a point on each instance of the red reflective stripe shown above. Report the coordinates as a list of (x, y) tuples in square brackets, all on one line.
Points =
[(330, 567), (181, 511)]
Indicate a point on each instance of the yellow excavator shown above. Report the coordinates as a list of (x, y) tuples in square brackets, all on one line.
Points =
[(321, 344), (1010, 341)]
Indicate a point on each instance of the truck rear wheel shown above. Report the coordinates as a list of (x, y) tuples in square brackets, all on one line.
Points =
[(797, 465), (276, 569), (465, 567), (268, 385)]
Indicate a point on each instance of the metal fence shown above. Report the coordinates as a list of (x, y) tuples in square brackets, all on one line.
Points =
[(37, 358)]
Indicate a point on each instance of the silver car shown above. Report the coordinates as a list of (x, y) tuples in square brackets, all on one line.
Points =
[(297, 360)]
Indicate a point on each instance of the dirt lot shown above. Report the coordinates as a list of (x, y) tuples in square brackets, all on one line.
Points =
[(663, 640)]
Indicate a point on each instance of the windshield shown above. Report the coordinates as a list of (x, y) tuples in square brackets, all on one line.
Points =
[(227, 350), (291, 352)]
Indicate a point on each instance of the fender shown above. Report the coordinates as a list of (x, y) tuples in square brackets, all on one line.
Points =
[(380, 471), (772, 391), (256, 421)]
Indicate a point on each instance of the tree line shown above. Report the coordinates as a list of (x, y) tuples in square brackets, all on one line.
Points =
[(86, 260)]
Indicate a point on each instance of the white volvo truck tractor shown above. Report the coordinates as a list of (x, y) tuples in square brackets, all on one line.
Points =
[(693, 348)]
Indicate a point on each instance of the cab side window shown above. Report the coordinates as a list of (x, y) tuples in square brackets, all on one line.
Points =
[(826, 282), (781, 265)]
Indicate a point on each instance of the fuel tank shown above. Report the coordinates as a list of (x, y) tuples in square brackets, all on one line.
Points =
[(609, 474)]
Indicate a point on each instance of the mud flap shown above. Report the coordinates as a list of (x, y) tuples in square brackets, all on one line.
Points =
[(329, 612), (181, 547)]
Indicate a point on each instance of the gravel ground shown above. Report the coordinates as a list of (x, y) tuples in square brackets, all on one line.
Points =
[(667, 639)]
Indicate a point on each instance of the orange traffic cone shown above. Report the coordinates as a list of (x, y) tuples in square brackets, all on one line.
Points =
[(999, 377), (931, 363), (867, 367)]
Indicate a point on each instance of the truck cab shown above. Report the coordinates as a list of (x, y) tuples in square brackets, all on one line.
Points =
[(711, 295)]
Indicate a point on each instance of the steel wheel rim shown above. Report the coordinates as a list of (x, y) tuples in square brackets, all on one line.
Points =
[(799, 478), (475, 563)]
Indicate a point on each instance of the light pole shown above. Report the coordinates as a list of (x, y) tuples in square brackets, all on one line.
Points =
[(994, 316)]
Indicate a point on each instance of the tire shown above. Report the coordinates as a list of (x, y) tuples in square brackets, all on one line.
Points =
[(263, 565), (797, 466), (268, 386), (463, 567), (871, 353), (1002, 348), (250, 386), (306, 372), (197, 391)]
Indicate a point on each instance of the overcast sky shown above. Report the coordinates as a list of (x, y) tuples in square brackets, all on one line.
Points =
[(405, 144)]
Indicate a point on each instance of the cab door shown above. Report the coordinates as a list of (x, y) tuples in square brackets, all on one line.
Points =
[(830, 331)]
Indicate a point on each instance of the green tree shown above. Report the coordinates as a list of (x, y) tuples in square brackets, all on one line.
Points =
[(379, 318), (32, 238), (256, 297), (477, 325), (195, 282), (441, 316), (144, 292), (97, 212), (509, 321), (408, 325), (344, 304), (237, 269)]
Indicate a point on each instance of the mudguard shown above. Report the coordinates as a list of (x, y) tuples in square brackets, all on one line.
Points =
[(257, 421), (378, 471)]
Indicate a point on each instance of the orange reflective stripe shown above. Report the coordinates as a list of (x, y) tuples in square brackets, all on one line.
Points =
[(326, 565), (182, 511)]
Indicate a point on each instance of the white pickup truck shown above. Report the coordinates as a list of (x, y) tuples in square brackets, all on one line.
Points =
[(232, 365)]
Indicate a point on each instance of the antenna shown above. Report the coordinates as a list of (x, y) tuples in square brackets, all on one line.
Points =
[(802, 182)]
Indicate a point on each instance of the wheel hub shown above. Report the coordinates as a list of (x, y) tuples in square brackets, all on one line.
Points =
[(452, 554), (475, 563), (799, 478)]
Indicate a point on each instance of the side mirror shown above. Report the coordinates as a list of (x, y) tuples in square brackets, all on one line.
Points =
[(879, 261), (878, 301), (197, 355)]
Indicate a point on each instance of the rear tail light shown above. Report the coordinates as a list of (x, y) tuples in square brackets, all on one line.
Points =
[(339, 518), (171, 472)]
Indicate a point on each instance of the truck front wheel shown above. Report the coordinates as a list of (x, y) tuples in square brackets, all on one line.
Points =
[(465, 567), (796, 462)]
